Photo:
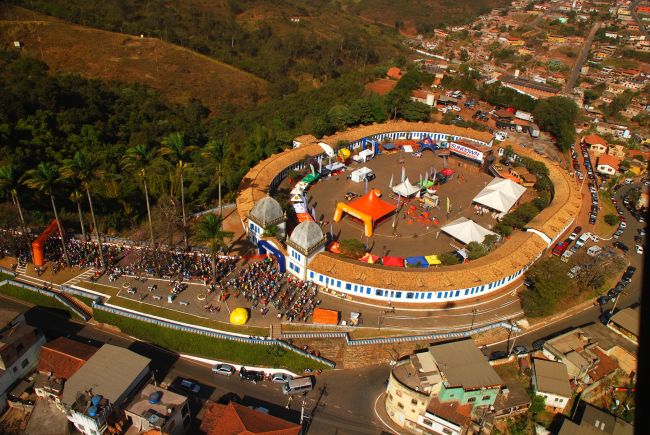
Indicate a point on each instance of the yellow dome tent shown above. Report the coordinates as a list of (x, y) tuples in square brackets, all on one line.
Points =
[(239, 316), (344, 154)]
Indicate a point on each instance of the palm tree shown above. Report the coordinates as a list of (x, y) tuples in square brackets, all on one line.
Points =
[(9, 182), (44, 179), (84, 169), (215, 150), (178, 152), (76, 197), (210, 230), (138, 160)]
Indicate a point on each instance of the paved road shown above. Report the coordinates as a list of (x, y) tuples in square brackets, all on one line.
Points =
[(582, 57), (631, 295), (342, 401)]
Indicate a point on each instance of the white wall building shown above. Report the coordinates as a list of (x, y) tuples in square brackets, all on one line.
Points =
[(551, 381), (306, 240)]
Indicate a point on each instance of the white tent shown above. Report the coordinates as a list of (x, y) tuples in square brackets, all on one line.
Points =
[(500, 195), (328, 149), (405, 188), (466, 230)]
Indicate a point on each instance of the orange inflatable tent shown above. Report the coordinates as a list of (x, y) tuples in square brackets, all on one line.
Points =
[(369, 208), (325, 317), (38, 245)]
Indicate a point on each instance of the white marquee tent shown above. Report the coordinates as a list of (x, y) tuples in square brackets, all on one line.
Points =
[(500, 194), (466, 230), (406, 189)]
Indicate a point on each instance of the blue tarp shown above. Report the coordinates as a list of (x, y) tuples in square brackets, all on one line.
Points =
[(417, 261), (427, 146), (388, 146)]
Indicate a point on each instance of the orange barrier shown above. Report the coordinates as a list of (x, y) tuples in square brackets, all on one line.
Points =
[(39, 244), (325, 317)]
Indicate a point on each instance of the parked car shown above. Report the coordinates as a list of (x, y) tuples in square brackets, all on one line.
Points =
[(538, 344), (604, 299), (621, 246), (189, 386), (639, 249), (281, 378), (499, 354), (251, 375), (606, 317), (519, 349), (224, 369)]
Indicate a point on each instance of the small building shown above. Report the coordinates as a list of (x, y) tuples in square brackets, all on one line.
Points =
[(617, 151), (627, 323), (524, 176), (306, 240), (20, 345), (238, 419), (155, 408), (394, 73), (551, 381), (265, 213), (607, 164), (594, 421), (423, 96), (440, 390), (94, 397), (596, 144), (575, 350), (60, 359)]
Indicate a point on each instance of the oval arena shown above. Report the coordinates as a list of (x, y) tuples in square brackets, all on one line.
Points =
[(303, 253)]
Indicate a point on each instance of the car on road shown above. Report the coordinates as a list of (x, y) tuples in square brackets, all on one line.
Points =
[(606, 317), (189, 386), (519, 349), (224, 369), (253, 376), (499, 354), (604, 299), (621, 246), (281, 378)]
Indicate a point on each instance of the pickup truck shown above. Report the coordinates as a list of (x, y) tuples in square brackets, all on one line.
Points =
[(581, 241)]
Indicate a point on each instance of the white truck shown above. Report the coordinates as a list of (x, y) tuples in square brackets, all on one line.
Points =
[(581, 241)]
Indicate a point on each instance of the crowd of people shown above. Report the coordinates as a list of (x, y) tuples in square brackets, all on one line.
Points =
[(262, 284)]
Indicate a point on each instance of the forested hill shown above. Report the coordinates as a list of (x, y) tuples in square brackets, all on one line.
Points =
[(274, 39)]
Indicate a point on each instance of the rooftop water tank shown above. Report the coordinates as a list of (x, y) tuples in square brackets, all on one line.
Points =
[(96, 399), (92, 411), (155, 397)]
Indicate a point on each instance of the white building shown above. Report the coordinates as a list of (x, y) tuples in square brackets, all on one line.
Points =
[(94, 396), (20, 345), (551, 381), (306, 240), (265, 213)]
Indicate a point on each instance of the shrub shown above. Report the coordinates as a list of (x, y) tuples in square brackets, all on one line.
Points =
[(476, 250), (611, 219), (449, 258)]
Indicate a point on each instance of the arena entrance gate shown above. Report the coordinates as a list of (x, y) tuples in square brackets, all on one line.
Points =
[(264, 247)]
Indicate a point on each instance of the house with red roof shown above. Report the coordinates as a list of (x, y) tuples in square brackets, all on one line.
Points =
[(236, 419), (597, 145), (607, 164), (394, 73), (62, 357)]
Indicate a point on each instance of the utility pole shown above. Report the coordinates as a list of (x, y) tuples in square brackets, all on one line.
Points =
[(513, 343)]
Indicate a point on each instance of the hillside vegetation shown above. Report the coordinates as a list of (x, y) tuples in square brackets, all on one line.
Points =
[(324, 39), (179, 74)]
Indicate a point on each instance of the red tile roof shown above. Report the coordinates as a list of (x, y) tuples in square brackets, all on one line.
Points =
[(235, 419), (594, 139), (453, 412), (394, 73), (606, 366), (64, 357), (606, 159)]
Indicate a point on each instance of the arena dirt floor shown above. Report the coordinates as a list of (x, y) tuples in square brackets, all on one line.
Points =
[(414, 234)]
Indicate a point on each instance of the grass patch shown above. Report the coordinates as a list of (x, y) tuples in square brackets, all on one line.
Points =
[(208, 347), (84, 299), (602, 228), (185, 317), (34, 298), (99, 288)]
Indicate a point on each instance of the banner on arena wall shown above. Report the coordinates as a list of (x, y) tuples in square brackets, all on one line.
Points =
[(464, 151)]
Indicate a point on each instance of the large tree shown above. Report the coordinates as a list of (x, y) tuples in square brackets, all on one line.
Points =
[(10, 183), (44, 178), (210, 230), (178, 153), (76, 197), (138, 160), (84, 169)]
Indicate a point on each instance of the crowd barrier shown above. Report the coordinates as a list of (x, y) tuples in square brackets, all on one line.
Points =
[(50, 294), (403, 339), (210, 333)]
